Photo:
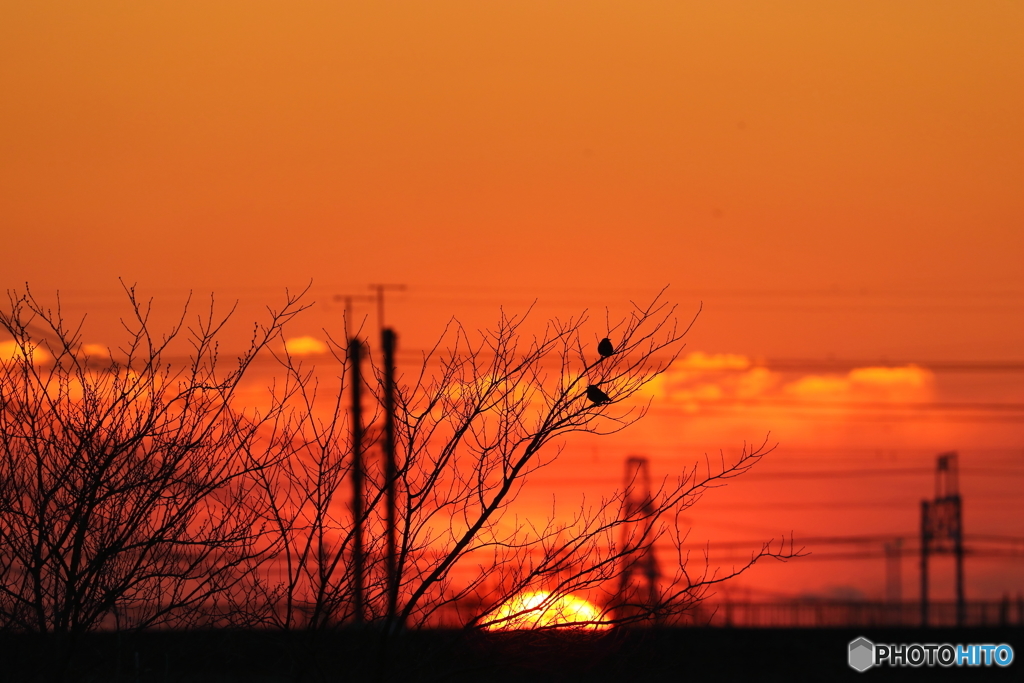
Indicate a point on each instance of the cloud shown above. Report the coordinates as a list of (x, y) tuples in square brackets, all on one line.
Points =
[(705, 378), (907, 377), (700, 377), (95, 350), (906, 383), (12, 350), (816, 386), (305, 346)]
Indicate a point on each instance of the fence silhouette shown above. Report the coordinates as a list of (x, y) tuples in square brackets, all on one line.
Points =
[(854, 613)]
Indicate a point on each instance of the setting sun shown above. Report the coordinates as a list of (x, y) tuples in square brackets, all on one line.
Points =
[(539, 610)]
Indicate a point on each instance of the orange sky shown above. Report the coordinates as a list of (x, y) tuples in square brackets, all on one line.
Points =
[(837, 178), (795, 144)]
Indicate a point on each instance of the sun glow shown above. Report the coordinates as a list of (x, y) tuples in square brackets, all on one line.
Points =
[(539, 610)]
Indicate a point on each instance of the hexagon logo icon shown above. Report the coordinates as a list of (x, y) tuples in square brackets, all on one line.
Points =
[(862, 654)]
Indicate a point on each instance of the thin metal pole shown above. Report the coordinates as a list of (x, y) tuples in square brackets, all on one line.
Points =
[(958, 550), (380, 307), (924, 562), (355, 356), (380, 288), (388, 342)]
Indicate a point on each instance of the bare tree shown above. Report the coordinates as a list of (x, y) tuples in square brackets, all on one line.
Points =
[(473, 436), (122, 479), (480, 415), (303, 579), (136, 492)]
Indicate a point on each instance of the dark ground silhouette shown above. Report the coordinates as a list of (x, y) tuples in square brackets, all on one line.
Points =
[(688, 654)]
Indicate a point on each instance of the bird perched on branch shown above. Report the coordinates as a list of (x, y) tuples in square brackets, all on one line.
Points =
[(597, 396), (605, 348)]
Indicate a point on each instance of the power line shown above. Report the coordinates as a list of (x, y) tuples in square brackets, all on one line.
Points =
[(807, 474)]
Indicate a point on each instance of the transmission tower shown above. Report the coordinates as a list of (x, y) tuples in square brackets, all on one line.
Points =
[(355, 357), (639, 506), (942, 530)]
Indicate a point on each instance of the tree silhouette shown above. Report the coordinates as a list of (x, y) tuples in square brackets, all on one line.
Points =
[(124, 481), (470, 434), (139, 491)]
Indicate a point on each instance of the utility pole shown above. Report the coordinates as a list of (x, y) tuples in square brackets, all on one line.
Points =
[(348, 299), (639, 504), (388, 342), (355, 357), (942, 531), (380, 289)]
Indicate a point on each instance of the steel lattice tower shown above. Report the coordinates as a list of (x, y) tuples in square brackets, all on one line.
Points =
[(942, 530), (639, 506)]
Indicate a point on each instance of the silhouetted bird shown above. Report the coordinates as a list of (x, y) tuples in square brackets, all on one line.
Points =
[(596, 395), (605, 348)]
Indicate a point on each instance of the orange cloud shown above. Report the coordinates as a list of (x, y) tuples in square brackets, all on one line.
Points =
[(700, 377), (12, 350), (95, 351), (305, 346), (907, 383)]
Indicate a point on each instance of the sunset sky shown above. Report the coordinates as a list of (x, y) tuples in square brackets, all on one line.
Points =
[(832, 180)]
